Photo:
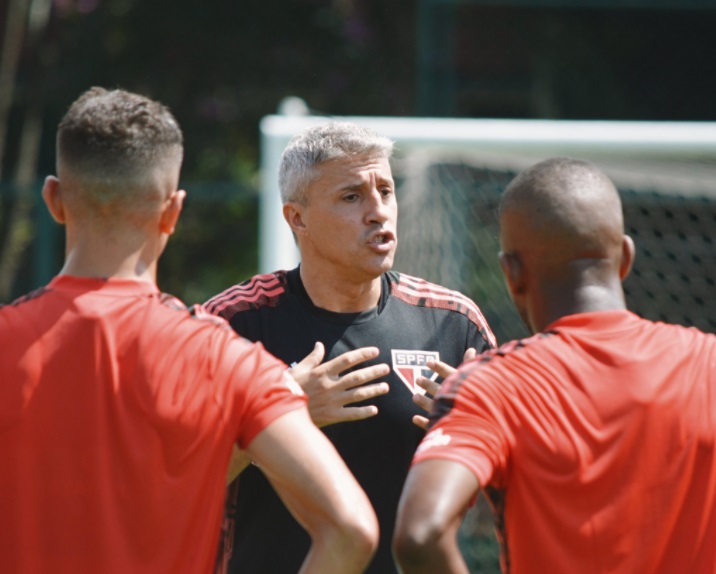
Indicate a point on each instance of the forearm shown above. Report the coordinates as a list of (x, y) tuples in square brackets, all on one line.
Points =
[(435, 497), (318, 489), (344, 538)]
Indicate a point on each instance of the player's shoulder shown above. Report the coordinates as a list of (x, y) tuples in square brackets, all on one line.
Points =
[(509, 358), (515, 348), (27, 298), (422, 293), (194, 312), (263, 290), (21, 314)]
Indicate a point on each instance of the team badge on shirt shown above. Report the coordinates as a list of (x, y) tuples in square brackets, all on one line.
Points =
[(409, 365)]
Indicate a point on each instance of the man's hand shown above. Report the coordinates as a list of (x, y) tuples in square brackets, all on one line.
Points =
[(431, 387), (329, 392)]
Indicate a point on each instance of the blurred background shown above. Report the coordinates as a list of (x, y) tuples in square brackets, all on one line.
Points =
[(222, 66)]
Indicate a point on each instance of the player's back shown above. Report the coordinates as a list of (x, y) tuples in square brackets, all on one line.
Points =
[(660, 501), (113, 430), (612, 445)]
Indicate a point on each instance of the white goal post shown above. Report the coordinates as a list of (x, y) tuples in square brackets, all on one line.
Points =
[(531, 139)]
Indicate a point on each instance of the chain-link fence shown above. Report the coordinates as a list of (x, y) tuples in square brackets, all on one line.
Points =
[(448, 233)]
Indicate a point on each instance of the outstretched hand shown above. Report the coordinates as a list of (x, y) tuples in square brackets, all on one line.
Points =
[(329, 391), (431, 387)]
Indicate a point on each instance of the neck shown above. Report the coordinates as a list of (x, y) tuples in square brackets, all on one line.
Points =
[(340, 294), (110, 256), (590, 298)]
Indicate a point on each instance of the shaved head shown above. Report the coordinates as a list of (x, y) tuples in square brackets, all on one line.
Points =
[(564, 208), (561, 221)]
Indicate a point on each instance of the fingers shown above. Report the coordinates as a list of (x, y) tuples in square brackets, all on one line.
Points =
[(350, 359), (424, 401), (365, 393), (421, 422), (442, 369), (310, 361), (316, 356), (329, 391), (302, 371), (470, 353), (333, 409), (356, 413), (362, 376), (430, 386)]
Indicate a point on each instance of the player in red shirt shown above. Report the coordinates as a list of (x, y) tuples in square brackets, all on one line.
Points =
[(119, 407), (596, 438)]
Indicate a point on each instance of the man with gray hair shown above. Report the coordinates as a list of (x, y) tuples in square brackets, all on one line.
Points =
[(344, 304)]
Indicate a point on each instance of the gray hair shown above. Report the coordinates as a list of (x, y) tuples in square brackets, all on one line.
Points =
[(322, 143)]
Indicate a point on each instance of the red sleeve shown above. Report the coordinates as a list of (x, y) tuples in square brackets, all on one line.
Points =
[(255, 387), (452, 440), (209, 378), (275, 394), (473, 429)]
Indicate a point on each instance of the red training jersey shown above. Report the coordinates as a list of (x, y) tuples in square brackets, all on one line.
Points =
[(118, 412), (595, 440)]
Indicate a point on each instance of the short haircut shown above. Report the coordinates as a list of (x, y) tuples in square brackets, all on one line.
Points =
[(551, 180), (568, 208), (322, 143), (111, 141)]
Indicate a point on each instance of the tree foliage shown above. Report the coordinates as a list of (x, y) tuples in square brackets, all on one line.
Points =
[(221, 66)]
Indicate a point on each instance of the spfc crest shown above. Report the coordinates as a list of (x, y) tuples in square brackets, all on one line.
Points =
[(409, 365)]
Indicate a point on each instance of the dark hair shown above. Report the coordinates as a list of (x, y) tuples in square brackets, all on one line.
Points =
[(116, 136)]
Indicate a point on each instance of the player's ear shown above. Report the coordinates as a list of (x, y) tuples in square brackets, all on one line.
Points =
[(52, 196), (171, 210), (293, 214), (627, 259), (513, 271)]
